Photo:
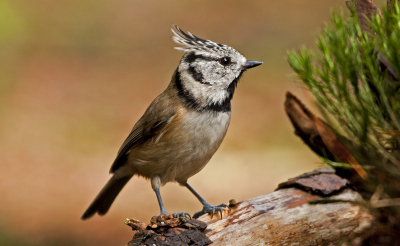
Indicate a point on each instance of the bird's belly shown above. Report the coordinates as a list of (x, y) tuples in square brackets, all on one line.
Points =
[(183, 149)]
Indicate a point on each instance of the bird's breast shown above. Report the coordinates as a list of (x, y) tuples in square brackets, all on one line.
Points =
[(184, 147), (206, 127), (203, 133), (197, 135)]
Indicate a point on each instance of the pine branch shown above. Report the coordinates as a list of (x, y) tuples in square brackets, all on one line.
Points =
[(354, 76)]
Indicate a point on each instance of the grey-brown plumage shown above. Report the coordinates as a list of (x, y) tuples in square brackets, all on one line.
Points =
[(183, 127)]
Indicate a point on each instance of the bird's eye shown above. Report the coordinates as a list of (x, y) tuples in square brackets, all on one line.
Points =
[(225, 61)]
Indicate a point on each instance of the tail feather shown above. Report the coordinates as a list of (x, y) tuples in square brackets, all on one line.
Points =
[(106, 197)]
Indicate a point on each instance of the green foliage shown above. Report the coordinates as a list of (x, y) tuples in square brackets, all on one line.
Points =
[(354, 76)]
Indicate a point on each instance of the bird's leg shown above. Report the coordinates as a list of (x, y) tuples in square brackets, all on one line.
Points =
[(207, 208), (155, 183), (162, 209)]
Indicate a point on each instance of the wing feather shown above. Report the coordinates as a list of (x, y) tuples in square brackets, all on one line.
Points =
[(151, 125), (139, 134)]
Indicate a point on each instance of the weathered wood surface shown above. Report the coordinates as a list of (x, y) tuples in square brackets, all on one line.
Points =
[(284, 217)]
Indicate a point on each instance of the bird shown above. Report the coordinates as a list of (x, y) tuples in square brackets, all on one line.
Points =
[(183, 127)]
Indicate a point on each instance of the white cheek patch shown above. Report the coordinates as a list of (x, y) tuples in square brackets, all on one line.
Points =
[(204, 93), (216, 96), (215, 74)]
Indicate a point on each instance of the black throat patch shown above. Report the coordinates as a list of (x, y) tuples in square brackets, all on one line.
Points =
[(191, 102)]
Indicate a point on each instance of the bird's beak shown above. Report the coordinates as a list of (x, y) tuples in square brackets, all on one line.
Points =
[(251, 64)]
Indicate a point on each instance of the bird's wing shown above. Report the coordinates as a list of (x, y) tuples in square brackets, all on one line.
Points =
[(150, 125)]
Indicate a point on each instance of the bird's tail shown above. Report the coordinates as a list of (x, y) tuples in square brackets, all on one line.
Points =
[(107, 195)]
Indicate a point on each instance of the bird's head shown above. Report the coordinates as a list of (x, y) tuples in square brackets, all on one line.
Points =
[(209, 71)]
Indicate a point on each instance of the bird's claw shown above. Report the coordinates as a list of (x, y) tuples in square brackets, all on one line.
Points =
[(181, 214), (208, 209)]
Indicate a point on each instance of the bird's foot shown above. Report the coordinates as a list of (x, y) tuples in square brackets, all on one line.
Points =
[(208, 209), (181, 214), (176, 215)]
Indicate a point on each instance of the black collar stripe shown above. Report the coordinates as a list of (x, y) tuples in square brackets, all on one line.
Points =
[(191, 102)]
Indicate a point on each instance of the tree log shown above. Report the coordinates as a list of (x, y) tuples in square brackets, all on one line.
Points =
[(283, 217)]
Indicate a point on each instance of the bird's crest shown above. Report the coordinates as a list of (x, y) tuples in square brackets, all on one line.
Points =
[(190, 42)]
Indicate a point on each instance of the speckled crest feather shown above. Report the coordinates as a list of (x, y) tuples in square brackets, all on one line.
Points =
[(193, 43)]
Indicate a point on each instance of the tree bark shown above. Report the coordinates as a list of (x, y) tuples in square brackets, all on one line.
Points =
[(285, 217)]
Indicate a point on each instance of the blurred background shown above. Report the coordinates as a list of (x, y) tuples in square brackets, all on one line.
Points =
[(76, 75)]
